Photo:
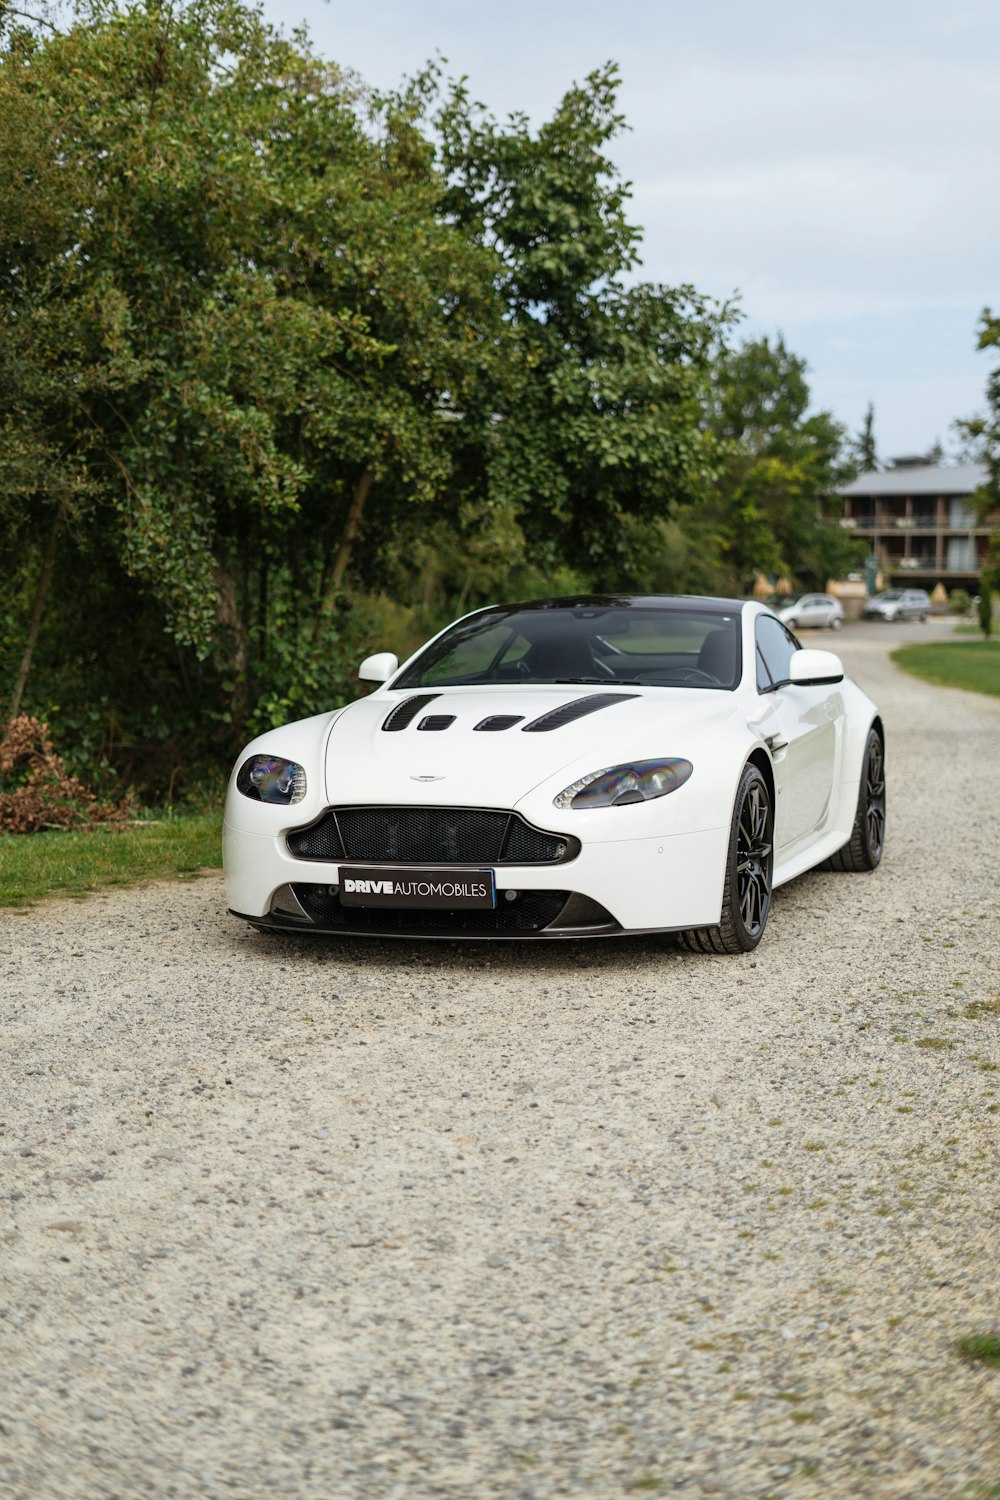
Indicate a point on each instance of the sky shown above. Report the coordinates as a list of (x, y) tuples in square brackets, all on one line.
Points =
[(835, 165)]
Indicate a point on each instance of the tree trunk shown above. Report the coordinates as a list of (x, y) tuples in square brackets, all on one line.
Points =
[(227, 613), (351, 525), (331, 587), (37, 611)]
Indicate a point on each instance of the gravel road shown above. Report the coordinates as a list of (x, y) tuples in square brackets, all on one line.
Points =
[(361, 1219)]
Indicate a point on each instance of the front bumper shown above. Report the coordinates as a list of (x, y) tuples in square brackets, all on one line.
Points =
[(659, 884)]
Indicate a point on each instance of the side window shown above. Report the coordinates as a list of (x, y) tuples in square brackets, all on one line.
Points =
[(775, 649)]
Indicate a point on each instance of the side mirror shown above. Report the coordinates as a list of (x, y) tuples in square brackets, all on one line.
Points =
[(378, 668), (815, 668)]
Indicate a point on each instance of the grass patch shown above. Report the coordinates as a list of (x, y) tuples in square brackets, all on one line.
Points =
[(36, 865), (981, 1349), (974, 665), (976, 1009)]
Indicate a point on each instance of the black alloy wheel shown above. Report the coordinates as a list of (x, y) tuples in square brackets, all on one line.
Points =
[(864, 848), (746, 898)]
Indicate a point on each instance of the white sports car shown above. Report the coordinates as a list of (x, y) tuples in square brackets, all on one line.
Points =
[(565, 768)]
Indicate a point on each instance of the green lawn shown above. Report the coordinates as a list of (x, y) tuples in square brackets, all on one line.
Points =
[(33, 865), (965, 664)]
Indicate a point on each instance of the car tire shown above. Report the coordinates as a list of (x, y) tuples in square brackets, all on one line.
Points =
[(836, 622), (863, 850), (746, 897)]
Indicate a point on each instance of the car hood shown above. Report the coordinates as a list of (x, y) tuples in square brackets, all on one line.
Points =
[(590, 728)]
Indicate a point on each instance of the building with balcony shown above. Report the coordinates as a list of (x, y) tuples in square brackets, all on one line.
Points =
[(919, 523)]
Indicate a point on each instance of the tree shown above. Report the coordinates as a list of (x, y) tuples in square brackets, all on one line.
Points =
[(863, 448), (601, 424), (783, 466), (231, 315), (982, 435)]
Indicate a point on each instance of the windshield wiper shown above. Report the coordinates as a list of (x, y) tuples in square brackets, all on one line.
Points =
[(600, 681)]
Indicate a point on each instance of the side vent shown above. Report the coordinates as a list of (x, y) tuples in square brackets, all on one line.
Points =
[(436, 721), (577, 709), (404, 713), (496, 722)]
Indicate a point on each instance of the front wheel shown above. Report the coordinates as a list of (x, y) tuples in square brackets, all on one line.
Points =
[(863, 850), (746, 897)]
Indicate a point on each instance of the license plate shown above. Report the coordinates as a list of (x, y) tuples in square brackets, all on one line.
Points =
[(368, 886)]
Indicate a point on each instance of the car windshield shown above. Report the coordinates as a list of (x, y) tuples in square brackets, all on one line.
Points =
[(782, 601), (594, 642), (890, 597)]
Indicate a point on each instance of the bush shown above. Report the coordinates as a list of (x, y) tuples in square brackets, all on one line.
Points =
[(958, 602), (36, 792)]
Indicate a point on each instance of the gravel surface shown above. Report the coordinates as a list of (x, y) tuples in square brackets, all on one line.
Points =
[(362, 1219)]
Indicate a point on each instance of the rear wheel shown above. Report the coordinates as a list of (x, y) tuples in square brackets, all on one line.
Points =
[(864, 848), (746, 897)]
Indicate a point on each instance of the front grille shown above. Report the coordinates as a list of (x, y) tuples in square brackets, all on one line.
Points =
[(429, 836), (531, 912)]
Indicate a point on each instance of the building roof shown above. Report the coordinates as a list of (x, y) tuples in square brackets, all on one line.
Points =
[(927, 479)]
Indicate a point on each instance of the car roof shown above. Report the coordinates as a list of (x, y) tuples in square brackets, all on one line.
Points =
[(621, 601)]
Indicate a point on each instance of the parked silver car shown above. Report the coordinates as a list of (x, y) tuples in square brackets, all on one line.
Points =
[(899, 604), (802, 610)]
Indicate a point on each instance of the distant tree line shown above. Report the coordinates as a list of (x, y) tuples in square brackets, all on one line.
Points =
[(290, 370)]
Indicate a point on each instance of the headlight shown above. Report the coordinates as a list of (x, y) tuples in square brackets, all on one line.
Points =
[(268, 778), (620, 785)]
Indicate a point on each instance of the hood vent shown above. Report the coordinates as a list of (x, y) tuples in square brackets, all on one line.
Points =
[(496, 722), (404, 713), (578, 709), (436, 721)]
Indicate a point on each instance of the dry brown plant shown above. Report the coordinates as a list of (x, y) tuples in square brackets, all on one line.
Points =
[(37, 792)]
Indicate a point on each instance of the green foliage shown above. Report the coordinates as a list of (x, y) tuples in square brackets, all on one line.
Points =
[(288, 366), (863, 448), (982, 435), (958, 602), (601, 420), (782, 466)]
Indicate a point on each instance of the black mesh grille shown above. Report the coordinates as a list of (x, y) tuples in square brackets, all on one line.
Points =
[(530, 912), (428, 835), (321, 841), (496, 722), (578, 709), (422, 835), (436, 721), (404, 713), (526, 846)]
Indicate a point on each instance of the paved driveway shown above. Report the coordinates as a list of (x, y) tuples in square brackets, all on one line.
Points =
[(322, 1220)]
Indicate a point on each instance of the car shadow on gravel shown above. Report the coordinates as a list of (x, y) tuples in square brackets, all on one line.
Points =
[(476, 957), (803, 899)]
